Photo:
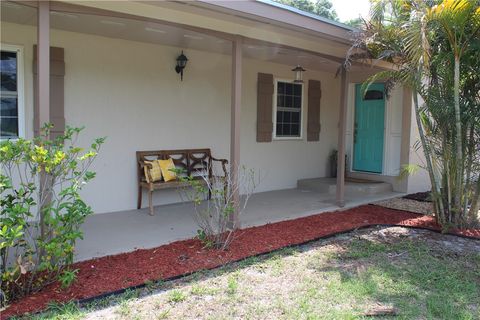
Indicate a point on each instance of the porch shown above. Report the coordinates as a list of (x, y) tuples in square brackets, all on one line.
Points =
[(119, 81), (120, 68), (118, 232)]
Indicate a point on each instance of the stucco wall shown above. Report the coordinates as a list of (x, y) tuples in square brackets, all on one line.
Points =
[(418, 181), (129, 92)]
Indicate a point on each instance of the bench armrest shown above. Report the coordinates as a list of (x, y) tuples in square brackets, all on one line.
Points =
[(224, 164), (221, 160)]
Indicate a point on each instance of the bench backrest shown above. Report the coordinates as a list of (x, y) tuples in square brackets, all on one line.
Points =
[(191, 160)]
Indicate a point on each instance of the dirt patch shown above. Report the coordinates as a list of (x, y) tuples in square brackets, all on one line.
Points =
[(422, 207), (112, 273), (435, 241)]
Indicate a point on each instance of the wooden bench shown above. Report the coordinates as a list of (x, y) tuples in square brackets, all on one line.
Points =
[(195, 162)]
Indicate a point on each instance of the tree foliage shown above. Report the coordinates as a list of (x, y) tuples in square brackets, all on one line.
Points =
[(323, 8), (356, 23)]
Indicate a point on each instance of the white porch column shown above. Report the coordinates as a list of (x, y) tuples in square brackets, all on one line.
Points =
[(342, 131), (43, 62), (235, 126)]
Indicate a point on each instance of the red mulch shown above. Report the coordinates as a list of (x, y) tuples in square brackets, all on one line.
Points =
[(111, 273)]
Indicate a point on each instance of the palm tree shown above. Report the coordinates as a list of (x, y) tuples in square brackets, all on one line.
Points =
[(416, 36), (397, 34), (460, 22)]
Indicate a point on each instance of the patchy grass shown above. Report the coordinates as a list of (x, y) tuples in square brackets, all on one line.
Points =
[(413, 273), (199, 290), (176, 296), (232, 284)]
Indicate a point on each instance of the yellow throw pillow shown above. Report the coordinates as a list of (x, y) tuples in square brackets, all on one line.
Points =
[(155, 173), (166, 166)]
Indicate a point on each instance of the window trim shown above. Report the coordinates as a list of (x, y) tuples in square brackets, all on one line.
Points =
[(274, 133), (19, 50)]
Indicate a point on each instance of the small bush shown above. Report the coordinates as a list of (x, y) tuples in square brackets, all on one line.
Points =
[(214, 216)]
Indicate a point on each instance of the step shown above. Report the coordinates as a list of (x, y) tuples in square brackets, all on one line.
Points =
[(354, 186)]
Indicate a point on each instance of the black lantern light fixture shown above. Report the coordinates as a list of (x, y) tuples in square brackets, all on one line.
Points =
[(181, 64), (298, 73)]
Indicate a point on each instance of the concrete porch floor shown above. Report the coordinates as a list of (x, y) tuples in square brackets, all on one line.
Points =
[(124, 231)]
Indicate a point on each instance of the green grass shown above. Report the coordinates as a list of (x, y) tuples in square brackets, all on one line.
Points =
[(55, 311), (176, 296), (330, 279), (232, 285), (421, 284), (199, 290)]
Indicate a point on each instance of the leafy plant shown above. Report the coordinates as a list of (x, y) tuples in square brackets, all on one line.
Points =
[(41, 209), (67, 277), (203, 237)]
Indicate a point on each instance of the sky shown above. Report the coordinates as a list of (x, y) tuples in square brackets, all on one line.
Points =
[(351, 9)]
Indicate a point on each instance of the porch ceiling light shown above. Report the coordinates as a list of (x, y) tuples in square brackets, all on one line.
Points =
[(298, 74), (181, 64)]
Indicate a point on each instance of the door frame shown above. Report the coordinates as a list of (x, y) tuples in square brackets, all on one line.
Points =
[(386, 115)]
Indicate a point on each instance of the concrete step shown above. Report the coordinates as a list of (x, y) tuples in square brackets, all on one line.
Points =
[(354, 186)]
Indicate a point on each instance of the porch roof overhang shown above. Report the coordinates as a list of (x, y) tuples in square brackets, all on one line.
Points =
[(277, 14), (258, 22), (325, 39)]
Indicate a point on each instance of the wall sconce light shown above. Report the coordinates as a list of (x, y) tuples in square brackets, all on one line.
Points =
[(298, 74), (181, 64)]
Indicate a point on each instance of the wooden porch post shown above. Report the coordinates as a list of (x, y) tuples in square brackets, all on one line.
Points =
[(43, 98), (235, 127), (342, 129), (43, 63)]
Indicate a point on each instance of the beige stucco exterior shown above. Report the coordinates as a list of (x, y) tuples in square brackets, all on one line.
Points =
[(129, 92)]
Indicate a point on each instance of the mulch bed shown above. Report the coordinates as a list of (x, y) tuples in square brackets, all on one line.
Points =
[(108, 274)]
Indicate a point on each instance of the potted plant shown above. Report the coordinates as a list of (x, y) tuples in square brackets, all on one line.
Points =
[(333, 163)]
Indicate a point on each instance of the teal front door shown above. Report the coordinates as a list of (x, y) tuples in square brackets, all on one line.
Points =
[(369, 128)]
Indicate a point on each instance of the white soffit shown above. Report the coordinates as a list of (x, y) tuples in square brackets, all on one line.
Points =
[(141, 31)]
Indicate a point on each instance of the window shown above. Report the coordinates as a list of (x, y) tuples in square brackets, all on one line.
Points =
[(288, 116), (11, 94), (373, 95)]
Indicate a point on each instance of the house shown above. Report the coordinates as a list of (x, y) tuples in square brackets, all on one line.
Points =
[(112, 70)]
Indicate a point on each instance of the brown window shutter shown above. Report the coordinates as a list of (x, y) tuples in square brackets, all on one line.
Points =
[(313, 124), (57, 74), (264, 107)]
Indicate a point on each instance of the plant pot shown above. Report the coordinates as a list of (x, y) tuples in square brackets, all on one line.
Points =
[(333, 164)]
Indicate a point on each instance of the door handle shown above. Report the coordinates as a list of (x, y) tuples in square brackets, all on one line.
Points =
[(355, 133)]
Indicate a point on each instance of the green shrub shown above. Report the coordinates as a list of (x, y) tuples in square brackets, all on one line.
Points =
[(41, 209)]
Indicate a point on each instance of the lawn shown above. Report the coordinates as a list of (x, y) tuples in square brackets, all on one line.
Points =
[(412, 273)]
